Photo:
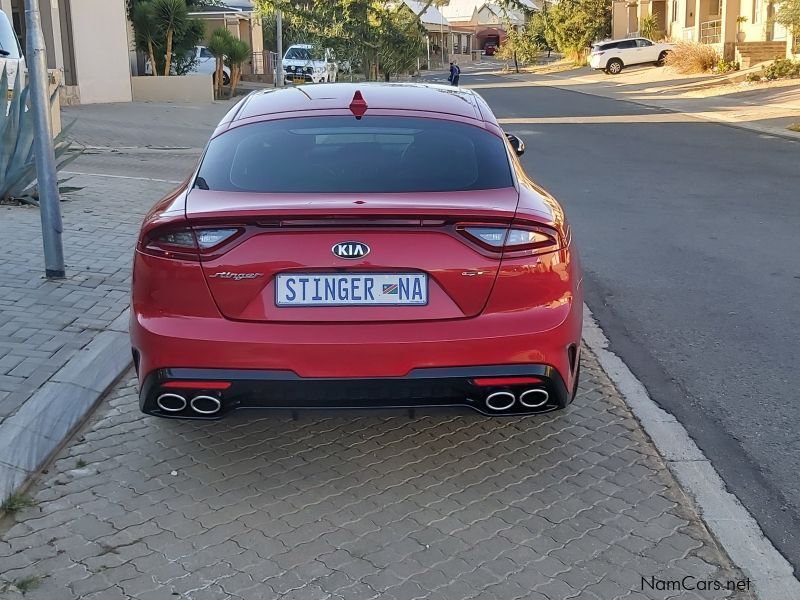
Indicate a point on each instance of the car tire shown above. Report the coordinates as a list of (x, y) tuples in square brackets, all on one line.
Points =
[(226, 79), (661, 58), (614, 66)]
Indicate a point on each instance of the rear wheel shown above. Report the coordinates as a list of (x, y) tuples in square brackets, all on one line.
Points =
[(614, 66), (661, 58)]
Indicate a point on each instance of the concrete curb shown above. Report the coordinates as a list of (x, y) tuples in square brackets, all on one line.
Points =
[(731, 524), (38, 429), (707, 117)]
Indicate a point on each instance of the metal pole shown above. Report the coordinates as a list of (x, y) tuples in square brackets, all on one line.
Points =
[(279, 40), (46, 175)]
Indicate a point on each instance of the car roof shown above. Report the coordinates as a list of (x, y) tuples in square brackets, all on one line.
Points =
[(431, 98), (626, 39)]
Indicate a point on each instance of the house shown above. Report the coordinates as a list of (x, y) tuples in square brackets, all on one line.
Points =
[(93, 60), (713, 22), (445, 41), (238, 17), (487, 19)]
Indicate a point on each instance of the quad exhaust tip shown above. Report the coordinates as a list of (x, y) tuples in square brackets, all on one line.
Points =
[(206, 405), (171, 403), (534, 398), (500, 401)]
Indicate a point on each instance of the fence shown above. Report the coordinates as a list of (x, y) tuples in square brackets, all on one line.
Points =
[(264, 63)]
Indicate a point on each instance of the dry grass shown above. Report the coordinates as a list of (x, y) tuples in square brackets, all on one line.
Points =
[(794, 127), (691, 57)]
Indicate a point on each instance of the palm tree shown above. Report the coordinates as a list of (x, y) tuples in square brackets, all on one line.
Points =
[(218, 45), (171, 17), (238, 52), (145, 30)]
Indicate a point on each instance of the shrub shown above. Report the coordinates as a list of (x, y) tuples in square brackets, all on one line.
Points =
[(782, 68), (17, 161), (726, 66), (648, 27), (752, 77), (692, 57)]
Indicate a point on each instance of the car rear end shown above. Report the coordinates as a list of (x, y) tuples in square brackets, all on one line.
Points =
[(332, 261), (598, 56)]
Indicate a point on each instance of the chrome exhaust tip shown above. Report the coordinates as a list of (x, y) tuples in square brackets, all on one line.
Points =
[(500, 401), (206, 405), (171, 402), (534, 398)]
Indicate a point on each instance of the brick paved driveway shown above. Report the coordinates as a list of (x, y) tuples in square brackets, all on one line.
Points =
[(571, 505)]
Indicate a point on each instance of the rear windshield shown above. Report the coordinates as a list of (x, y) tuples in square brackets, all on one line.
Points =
[(8, 39), (342, 154)]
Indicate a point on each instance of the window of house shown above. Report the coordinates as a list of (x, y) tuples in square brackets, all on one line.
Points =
[(714, 8), (674, 11), (756, 11)]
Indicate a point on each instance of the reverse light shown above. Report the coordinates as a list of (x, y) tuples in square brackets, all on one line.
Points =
[(209, 238), (185, 243), (528, 240)]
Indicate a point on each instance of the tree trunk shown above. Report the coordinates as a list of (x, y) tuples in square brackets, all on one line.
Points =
[(152, 55), (218, 78), (516, 64), (387, 77), (168, 63), (235, 70)]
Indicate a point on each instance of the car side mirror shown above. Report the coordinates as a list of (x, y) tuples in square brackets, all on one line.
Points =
[(517, 144)]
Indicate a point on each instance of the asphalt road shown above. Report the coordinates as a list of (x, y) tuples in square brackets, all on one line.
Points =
[(688, 233)]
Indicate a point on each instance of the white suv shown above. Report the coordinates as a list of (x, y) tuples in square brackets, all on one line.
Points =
[(302, 63), (612, 56)]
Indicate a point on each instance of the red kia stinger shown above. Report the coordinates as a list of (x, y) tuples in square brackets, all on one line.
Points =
[(352, 246)]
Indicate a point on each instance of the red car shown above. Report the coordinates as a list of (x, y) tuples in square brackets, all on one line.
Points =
[(490, 48), (357, 245)]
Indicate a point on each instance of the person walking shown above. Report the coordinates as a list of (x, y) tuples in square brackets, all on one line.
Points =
[(455, 72)]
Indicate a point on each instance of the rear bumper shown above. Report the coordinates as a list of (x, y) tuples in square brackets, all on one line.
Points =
[(491, 390)]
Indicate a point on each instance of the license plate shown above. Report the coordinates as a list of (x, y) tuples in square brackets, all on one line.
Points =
[(351, 289), (298, 80)]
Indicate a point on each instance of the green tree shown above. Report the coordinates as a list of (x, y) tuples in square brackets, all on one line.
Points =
[(371, 33), (400, 41), (521, 45), (163, 28), (146, 33), (238, 51), (218, 45), (578, 23), (788, 15)]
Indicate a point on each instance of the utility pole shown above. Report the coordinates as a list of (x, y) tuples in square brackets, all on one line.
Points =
[(279, 40), (46, 175)]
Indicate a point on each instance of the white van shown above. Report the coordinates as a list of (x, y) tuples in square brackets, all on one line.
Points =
[(10, 52)]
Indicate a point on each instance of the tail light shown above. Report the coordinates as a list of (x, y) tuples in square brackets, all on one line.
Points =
[(186, 243), (519, 240)]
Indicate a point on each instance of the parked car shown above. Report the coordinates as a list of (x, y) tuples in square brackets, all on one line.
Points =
[(357, 246), (613, 55), (11, 57), (302, 63), (490, 48), (205, 64)]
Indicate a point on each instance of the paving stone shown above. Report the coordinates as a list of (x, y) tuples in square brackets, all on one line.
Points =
[(444, 507)]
